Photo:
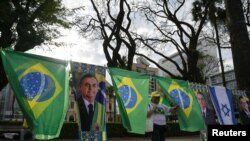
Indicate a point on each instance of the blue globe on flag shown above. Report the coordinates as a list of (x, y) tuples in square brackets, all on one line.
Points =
[(37, 84), (128, 96), (180, 98)]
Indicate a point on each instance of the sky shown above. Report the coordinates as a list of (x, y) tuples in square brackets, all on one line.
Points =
[(77, 48), (82, 50)]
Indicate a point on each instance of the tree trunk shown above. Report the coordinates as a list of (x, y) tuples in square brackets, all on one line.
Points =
[(240, 43), (3, 79), (220, 55)]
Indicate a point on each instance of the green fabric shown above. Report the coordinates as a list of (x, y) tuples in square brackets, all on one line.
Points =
[(132, 96), (178, 92), (163, 100), (41, 87)]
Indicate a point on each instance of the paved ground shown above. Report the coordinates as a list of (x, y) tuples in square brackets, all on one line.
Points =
[(182, 138)]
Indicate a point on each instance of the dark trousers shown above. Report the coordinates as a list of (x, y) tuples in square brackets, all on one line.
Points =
[(158, 133)]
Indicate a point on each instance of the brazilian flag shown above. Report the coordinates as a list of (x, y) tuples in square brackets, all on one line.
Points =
[(163, 99), (41, 87), (179, 93), (132, 96)]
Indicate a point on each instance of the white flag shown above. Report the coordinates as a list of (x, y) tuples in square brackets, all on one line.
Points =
[(222, 100)]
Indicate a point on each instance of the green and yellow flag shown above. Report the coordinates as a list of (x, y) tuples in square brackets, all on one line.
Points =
[(179, 93), (41, 87), (132, 96), (163, 99)]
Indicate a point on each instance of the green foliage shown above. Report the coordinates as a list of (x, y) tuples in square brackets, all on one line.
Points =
[(216, 10), (27, 23), (110, 91), (197, 10)]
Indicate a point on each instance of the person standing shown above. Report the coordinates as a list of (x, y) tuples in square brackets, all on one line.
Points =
[(158, 113), (88, 88)]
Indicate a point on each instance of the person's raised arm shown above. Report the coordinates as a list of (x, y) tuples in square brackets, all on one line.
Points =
[(174, 109)]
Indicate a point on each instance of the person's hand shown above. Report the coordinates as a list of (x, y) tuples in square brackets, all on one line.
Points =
[(154, 108), (174, 109), (150, 112)]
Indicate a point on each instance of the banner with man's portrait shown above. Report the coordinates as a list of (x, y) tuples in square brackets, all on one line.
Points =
[(89, 89), (207, 108), (244, 109)]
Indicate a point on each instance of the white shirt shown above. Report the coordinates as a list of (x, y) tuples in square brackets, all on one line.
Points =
[(159, 116), (204, 112), (86, 102)]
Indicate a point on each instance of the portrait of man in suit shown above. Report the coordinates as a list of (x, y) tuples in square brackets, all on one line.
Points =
[(208, 113), (244, 112), (88, 88), (89, 95)]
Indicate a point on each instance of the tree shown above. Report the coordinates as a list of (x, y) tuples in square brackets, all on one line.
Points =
[(240, 43), (25, 24), (111, 23), (119, 33), (173, 30), (208, 65), (246, 10), (216, 16)]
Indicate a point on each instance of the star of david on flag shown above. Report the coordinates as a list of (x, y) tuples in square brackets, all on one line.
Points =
[(222, 101)]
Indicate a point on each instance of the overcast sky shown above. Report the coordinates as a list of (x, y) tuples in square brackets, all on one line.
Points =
[(77, 48), (82, 50)]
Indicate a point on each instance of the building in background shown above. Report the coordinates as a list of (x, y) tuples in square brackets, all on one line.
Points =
[(216, 79), (9, 108), (71, 113), (209, 58), (142, 66)]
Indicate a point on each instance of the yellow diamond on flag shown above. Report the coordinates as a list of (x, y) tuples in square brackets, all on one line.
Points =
[(181, 97), (40, 87), (129, 94)]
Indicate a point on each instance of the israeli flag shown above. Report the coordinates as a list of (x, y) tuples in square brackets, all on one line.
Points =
[(222, 100)]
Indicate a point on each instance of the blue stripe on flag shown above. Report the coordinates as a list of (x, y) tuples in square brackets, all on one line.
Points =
[(222, 101), (100, 96)]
